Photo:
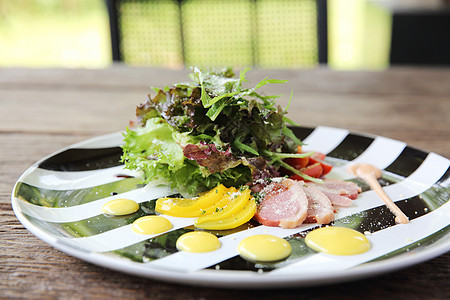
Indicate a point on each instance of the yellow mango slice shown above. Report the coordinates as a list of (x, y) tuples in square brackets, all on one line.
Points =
[(235, 203), (180, 207), (219, 205), (173, 206), (232, 221)]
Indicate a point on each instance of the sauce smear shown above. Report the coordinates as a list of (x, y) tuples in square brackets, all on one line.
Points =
[(151, 225), (264, 248), (120, 207), (337, 241), (370, 174), (198, 241)]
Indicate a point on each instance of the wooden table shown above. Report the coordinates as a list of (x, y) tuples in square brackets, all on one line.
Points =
[(43, 110)]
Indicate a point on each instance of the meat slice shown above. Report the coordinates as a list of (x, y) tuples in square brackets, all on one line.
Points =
[(284, 204), (340, 193), (336, 198), (320, 209), (347, 188)]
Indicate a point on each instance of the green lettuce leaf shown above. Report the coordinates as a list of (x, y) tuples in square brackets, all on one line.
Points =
[(153, 150), (216, 112), (152, 144)]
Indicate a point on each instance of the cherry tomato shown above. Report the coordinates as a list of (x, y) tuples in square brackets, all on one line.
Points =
[(314, 170), (319, 158), (297, 163)]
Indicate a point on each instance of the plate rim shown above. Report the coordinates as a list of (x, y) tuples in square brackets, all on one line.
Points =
[(227, 278)]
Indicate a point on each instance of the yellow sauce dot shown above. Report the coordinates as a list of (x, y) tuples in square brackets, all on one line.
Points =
[(198, 241), (120, 207), (264, 248), (337, 241), (151, 225)]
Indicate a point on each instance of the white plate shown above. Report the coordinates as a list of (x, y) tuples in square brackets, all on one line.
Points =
[(59, 199)]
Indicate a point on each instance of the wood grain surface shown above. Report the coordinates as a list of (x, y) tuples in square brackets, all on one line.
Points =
[(43, 110)]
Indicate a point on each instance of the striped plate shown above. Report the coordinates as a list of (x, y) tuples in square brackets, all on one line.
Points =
[(59, 200)]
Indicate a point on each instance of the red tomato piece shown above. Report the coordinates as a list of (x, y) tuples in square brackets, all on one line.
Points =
[(319, 158), (314, 170), (297, 163), (326, 168), (306, 164)]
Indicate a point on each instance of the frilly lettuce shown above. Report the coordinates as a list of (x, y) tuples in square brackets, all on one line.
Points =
[(212, 130)]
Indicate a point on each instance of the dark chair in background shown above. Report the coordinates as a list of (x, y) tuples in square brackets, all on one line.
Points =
[(420, 37), (263, 33)]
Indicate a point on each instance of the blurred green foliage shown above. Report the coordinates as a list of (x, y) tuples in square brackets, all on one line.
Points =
[(264, 33), (54, 33), (75, 33), (359, 34)]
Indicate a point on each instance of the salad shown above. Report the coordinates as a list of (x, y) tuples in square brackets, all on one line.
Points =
[(210, 131), (228, 151)]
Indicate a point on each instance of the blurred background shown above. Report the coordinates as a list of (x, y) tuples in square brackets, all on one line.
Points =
[(356, 34)]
